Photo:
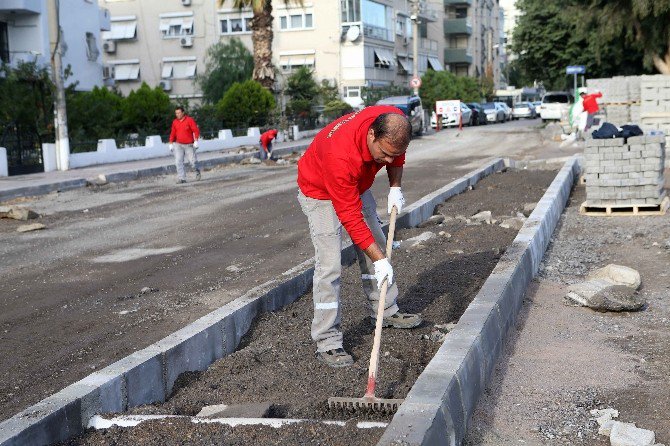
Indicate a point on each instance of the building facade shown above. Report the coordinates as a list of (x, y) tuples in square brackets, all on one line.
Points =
[(25, 37), (354, 43), (474, 40)]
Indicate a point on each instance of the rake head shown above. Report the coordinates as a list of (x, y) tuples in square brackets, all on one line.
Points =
[(365, 404)]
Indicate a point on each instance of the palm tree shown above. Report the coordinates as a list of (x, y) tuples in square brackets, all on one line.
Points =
[(261, 37)]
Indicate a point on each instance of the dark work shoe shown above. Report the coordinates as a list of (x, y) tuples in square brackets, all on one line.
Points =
[(180, 181), (197, 175), (336, 357), (400, 320)]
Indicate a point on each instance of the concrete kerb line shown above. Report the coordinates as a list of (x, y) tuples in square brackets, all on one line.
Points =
[(147, 376), (136, 174), (442, 400)]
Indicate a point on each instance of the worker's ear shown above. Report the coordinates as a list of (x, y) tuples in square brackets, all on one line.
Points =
[(371, 133)]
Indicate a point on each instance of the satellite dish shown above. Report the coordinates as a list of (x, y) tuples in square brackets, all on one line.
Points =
[(353, 33)]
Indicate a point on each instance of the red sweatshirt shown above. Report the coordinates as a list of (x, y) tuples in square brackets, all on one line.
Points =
[(590, 103), (184, 131), (267, 137), (338, 166)]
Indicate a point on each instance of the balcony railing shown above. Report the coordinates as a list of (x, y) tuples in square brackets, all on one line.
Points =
[(457, 3), (457, 26), (428, 44), (377, 32), (457, 56)]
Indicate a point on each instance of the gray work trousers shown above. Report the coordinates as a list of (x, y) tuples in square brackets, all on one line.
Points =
[(189, 151), (325, 230)]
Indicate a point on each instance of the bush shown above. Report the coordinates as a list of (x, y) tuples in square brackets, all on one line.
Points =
[(147, 111), (226, 64), (335, 109), (94, 115), (244, 105), (443, 85)]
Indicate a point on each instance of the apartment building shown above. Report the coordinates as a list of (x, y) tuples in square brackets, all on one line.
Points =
[(25, 37), (354, 43), (474, 39)]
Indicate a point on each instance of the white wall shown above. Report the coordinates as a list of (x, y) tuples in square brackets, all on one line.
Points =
[(79, 17), (3, 162)]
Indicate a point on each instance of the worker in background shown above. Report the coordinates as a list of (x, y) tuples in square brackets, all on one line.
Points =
[(265, 149)]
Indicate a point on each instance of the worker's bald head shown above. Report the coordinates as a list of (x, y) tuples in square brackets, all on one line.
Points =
[(394, 128)]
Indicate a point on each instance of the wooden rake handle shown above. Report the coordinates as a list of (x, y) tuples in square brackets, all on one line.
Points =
[(374, 356)]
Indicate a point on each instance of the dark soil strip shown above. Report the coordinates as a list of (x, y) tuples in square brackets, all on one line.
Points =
[(276, 363)]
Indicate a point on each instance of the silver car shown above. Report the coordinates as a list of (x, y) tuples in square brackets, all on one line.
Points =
[(494, 112)]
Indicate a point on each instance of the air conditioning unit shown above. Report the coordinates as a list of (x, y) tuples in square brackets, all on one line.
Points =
[(109, 46), (186, 2), (165, 85), (108, 71), (186, 41)]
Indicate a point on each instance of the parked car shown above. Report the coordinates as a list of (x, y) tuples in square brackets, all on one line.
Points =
[(524, 110), (412, 107), (452, 120), (478, 114), (507, 110), (555, 105), (494, 112)]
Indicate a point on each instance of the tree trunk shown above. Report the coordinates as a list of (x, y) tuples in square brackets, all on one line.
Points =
[(261, 36), (662, 63)]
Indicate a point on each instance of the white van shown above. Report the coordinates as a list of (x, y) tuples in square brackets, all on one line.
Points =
[(555, 105)]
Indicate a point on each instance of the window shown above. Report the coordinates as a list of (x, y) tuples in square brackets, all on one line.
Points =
[(235, 23), (292, 60), (179, 68), (296, 21), (174, 25), (123, 28), (92, 51), (376, 21), (126, 70), (4, 43), (461, 13), (400, 24), (352, 92), (351, 10)]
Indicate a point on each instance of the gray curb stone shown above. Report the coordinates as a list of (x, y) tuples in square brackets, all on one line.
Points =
[(439, 405), (136, 174), (147, 376)]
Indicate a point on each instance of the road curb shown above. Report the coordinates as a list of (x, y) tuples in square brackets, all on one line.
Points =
[(135, 174), (442, 400), (147, 376)]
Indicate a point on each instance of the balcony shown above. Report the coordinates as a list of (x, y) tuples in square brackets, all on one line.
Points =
[(457, 26), (457, 3), (457, 56), (21, 6), (376, 32)]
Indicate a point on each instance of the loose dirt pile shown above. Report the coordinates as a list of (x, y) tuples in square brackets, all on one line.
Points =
[(275, 362)]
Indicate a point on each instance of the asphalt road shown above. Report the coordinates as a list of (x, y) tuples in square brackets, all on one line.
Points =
[(70, 295)]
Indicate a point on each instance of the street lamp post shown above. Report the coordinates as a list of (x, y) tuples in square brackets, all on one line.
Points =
[(415, 42)]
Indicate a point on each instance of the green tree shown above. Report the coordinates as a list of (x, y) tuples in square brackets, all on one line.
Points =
[(147, 111), (94, 115), (328, 91), (444, 85), (245, 104), (26, 99), (372, 95), (261, 37), (225, 64), (336, 108), (644, 23), (552, 34), (303, 91)]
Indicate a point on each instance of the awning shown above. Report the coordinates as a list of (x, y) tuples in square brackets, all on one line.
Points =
[(121, 30), (435, 64), (405, 64), (178, 68), (126, 72), (296, 60), (385, 56)]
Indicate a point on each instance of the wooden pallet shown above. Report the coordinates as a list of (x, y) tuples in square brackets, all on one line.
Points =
[(615, 210)]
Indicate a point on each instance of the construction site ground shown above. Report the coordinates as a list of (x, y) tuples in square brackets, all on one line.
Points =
[(71, 299)]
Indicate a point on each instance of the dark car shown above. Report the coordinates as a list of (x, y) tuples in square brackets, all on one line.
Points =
[(478, 115), (412, 107)]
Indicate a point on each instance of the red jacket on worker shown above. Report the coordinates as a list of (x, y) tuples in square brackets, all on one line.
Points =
[(184, 131), (267, 137), (338, 166), (589, 102)]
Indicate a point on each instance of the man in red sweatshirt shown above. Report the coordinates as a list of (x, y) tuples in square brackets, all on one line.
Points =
[(184, 141), (590, 104), (265, 150), (334, 178)]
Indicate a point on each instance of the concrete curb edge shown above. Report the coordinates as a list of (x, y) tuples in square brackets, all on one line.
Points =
[(148, 375), (442, 400)]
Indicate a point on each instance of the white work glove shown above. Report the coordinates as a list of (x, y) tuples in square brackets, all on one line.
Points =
[(395, 198), (383, 269), (171, 147), (195, 144)]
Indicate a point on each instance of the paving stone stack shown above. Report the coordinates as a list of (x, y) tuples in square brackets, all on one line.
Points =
[(655, 104), (625, 173), (621, 98)]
